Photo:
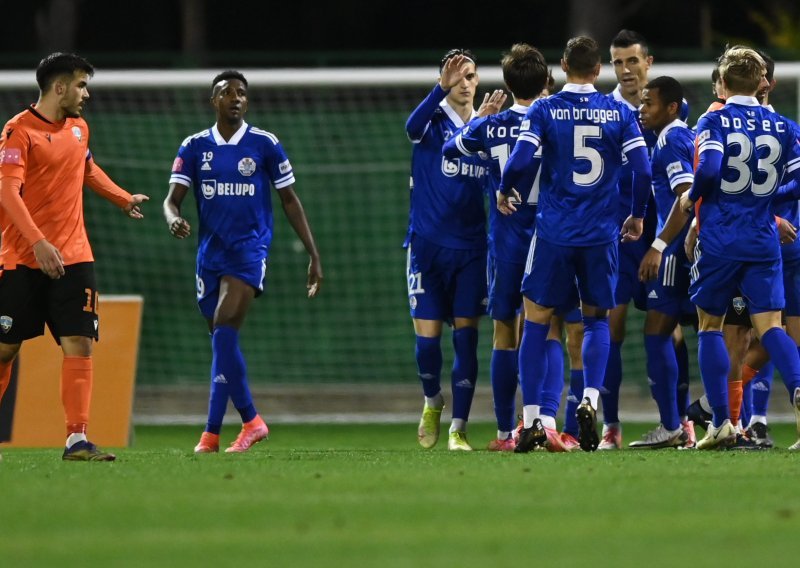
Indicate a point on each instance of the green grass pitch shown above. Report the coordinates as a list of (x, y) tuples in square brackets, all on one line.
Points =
[(367, 495)]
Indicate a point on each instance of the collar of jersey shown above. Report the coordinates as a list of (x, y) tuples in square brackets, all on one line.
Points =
[(576, 88), (677, 123), (234, 139), (521, 109), (453, 115), (742, 100), (617, 94)]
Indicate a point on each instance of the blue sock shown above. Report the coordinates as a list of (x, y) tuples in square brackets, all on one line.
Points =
[(429, 364), (596, 340), (228, 362), (747, 404), (783, 354), (762, 386), (612, 381), (504, 387), (712, 358), (573, 400), (532, 362), (554, 378), (682, 357), (662, 370), (465, 370), (217, 405)]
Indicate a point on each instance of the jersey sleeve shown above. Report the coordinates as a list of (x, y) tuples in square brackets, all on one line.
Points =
[(679, 162), (468, 141), (14, 147), (710, 149), (279, 169), (530, 139), (183, 167)]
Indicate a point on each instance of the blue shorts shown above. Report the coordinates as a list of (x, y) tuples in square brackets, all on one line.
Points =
[(445, 283), (717, 280), (552, 270), (629, 287), (791, 286), (505, 288), (253, 274), (573, 316), (669, 293)]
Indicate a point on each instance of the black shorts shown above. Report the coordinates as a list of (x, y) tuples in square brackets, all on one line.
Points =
[(29, 299), (738, 313)]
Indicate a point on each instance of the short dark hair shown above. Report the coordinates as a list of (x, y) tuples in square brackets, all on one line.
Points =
[(458, 51), (58, 64), (769, 64), (669, 90), (524, 71), (627, 38), (582, 55), (715, 75), (228, 74)]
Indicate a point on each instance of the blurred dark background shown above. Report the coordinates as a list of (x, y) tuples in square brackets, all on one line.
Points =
[(305, 33)]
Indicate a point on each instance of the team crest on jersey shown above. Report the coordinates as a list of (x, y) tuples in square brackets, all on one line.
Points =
[(209, 188), (5, 323), (247, 166), (738, 304), (450, 168), (77, 132)]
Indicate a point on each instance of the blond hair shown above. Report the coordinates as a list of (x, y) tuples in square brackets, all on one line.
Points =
[(742, 69)]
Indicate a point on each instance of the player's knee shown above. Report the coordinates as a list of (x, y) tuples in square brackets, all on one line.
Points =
[(8, 351)]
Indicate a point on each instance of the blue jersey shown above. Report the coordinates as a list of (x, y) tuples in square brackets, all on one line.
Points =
[(790, 212), (447, 203), (230, 180), (673, 165), (495, 136), (744, 150), (583, 135)]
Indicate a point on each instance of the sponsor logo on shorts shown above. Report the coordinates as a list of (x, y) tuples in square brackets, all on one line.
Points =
[(738, 304), (5, 323), (220, 379), (412, 301), (247, 166), (96, 324)]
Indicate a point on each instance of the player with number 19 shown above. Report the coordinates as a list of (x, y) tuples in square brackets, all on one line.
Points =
[(230, 167)]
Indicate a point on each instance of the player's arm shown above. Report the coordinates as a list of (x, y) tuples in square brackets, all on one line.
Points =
[(635, 150), (296, 215), (47, 256), (99, 182), (674, 224), (454, 70), (465, 142), (178, 226)]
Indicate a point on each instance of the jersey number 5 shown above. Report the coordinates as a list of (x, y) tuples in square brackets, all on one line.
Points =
[(584, 152)]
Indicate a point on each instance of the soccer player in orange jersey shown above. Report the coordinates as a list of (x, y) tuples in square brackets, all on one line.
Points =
[(46, 263)]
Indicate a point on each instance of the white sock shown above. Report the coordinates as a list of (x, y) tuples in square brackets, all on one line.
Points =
[(704, 404), (503, 435), (435, 401), (593, 395), (548, 421), (73, 439), (530, 412), (458, 425), (757, 418)]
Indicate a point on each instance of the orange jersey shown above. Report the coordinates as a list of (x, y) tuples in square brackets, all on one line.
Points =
[(50, 159)]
